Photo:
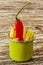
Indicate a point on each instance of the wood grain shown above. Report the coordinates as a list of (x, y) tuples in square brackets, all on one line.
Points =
[(32, 17)]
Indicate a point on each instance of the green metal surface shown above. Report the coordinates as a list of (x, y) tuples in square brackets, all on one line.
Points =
[(20, 51)]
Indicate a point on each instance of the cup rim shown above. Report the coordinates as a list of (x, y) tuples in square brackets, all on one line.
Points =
[(20, 41)]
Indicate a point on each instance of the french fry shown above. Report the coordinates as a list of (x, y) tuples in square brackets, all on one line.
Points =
[(28, 35), (12, 33), (15, 39), (24, 32), (32, 36)]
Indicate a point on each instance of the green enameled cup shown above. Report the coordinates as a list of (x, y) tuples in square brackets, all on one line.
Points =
[(20, 51)]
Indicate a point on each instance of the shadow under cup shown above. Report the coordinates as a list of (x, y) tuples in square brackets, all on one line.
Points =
[(20, 51)]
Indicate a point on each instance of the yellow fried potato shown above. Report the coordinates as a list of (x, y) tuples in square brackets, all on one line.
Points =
[(12, 33), (29, 35), (32, 36), (15, 39), (24, 32)]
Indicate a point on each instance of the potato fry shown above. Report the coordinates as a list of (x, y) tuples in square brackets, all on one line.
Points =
[(24, 33), (29, 35), (12, 33), (15, 39)]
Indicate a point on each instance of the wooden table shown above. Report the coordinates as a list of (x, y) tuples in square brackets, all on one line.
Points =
[(32, 17)]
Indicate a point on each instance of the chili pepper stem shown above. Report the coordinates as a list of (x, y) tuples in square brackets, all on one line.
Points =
[(21, 10)]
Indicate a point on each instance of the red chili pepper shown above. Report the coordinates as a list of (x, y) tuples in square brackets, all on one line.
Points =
[(19, 30), (19, 26)]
